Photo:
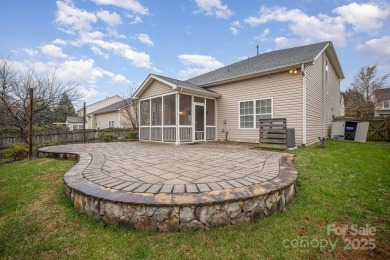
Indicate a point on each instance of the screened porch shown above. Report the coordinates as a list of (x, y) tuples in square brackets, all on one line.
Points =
[(177, 118)]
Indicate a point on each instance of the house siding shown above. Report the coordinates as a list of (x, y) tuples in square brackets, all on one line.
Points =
[(284, 88), (318, 113), (155, 89), (103, 119)]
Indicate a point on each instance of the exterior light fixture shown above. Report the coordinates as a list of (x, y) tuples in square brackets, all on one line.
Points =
[(293, 71)]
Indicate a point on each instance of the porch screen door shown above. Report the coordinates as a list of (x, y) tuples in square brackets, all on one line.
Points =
[(199, 123)]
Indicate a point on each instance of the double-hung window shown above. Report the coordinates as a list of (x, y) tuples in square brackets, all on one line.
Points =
[(253, 110), (386, 104)]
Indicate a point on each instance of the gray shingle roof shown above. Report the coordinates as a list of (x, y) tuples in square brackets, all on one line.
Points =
[(183, 84), (262, 63), (74, 119), (112, 107)]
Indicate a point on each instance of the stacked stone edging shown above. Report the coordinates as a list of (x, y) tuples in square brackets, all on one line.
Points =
[(177, 212)]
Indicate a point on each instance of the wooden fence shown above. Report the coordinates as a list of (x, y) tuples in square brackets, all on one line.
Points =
[(63, 137), (378, 129), (273, 133)]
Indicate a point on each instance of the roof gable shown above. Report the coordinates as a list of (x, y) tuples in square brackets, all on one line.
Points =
[(175, 84)]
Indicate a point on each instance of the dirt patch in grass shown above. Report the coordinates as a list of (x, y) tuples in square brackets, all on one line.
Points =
[(49, 175)]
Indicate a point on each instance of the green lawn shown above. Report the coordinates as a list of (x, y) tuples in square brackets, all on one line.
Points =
[(346, 183)]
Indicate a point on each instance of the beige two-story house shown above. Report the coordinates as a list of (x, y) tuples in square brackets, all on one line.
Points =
[(301, 84)]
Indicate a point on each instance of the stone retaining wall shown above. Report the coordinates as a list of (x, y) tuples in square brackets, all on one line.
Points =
[(181, 218)]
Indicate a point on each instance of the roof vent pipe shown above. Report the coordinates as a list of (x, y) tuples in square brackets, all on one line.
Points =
[(257, 48)]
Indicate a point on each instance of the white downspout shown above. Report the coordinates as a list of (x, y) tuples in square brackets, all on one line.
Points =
[(303, 104)]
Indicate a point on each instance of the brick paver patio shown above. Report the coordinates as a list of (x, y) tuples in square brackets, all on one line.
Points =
[(163, 168), (165, 188)]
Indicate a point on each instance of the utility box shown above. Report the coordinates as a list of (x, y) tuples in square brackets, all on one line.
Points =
[(291, 138)]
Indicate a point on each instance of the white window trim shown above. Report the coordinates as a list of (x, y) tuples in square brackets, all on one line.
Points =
[(254, 110), (383, 104), (109, 124)]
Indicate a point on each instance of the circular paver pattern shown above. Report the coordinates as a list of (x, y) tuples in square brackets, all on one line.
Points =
[(164, 187), (163, 168)]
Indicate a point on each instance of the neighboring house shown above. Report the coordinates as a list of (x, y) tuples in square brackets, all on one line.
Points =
[(301, 84), (74, 122), (383, 107), (111, 116), (96, 106)]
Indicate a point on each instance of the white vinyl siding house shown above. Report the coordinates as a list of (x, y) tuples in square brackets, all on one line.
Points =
[(285, 91), (301, 84)]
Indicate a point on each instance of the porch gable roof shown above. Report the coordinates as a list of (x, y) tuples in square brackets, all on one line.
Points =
[(179, 85)]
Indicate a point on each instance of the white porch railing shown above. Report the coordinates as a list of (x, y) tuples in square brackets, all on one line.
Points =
[(186, 134), (211, 132), (199, 135), (144, 133), (169, 134), (156, 133)]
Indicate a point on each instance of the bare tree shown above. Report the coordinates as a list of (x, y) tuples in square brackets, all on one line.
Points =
[(129, 111), (366, 84), (351, 103), (14, 95)]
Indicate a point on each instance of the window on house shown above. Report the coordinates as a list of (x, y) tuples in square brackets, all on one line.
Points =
[(75, 127), (386, 104), (326, 69), (252, 111), (111, 124)]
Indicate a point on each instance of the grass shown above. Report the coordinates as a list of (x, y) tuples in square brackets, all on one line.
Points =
[(346, 183)]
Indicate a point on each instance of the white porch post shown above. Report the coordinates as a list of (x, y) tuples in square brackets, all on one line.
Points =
[(177, 119), (193, 118)]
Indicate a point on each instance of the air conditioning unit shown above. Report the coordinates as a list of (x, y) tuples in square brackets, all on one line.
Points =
[(291, 139)]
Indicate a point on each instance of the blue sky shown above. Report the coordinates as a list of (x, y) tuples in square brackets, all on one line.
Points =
[(110, 46)]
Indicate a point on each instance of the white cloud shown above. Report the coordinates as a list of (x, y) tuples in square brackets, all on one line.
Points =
[(137, 20), (202, 64), (88, 92), (111, 19), (53, 51), (263, 37), (31, 52), (120, 79), (139, 59), (99, 52), (214, 7), (308, 28), (364, 18), (131, 5), (72, 18), (283, 42), (59, 42), (144, 38), (379, 48), (235, 27)]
